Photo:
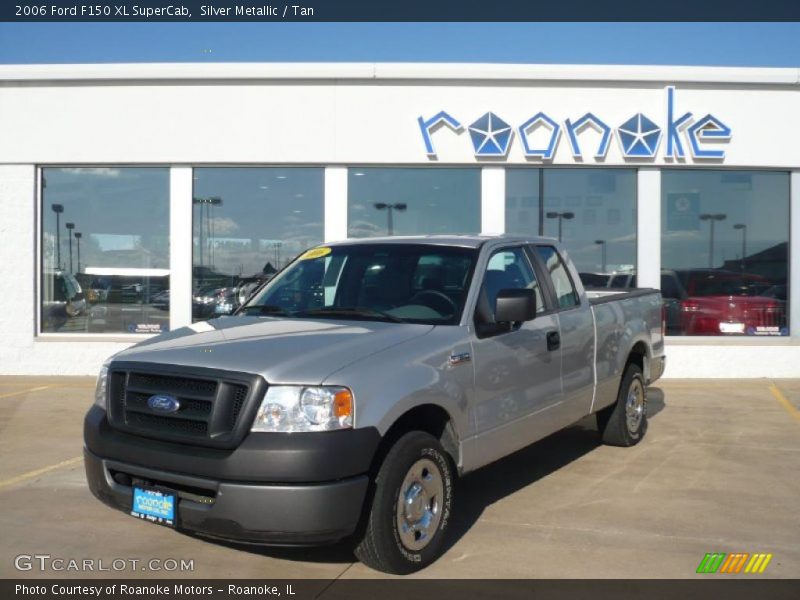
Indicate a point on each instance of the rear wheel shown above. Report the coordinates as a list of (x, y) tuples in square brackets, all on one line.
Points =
[(411, 507), (624, 423)]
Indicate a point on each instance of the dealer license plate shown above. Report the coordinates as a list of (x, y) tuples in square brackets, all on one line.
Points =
[(157, 506), (731, 327)]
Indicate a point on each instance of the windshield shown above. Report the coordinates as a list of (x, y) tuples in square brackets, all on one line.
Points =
[(413, 283)]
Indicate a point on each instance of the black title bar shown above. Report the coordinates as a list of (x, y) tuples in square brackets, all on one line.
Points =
[(397, 10)]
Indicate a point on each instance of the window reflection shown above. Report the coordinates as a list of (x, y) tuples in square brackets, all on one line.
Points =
[(566, 295), (248, 223), (724, 251), (406, 201), (105, 250), (592, 211)]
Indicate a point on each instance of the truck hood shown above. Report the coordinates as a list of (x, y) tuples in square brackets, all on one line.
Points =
[(302, 351)]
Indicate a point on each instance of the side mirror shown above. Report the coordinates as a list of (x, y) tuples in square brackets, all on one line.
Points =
[(515, 305)]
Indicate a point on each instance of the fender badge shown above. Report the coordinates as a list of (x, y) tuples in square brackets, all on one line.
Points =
[(458, 359)]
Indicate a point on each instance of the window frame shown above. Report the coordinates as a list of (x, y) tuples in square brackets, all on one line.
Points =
[(743, 340), (353, 168), (193, 256), (542, 171), (648, 197), (38, 266)]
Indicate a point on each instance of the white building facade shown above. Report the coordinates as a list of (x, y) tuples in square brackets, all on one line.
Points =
[(138, 198)]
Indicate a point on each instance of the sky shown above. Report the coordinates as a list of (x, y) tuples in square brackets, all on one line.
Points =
[(712, 44)]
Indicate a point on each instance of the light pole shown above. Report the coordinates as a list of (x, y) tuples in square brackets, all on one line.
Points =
[(58, 209), (78, 236), (743, 227), (560, 216), (401, 206), (602, 244), (712, 218), (215, 201), (70, 227), (205, 213)]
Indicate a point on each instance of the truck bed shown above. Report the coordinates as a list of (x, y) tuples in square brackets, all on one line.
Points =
[(622, 317), (601, 295)]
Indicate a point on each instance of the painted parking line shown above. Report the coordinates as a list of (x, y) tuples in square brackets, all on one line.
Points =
[(28, 391), (37, 472), (74, 386), (790, 408)]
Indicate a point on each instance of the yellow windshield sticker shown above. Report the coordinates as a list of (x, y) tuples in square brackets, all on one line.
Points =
[(315, 253)]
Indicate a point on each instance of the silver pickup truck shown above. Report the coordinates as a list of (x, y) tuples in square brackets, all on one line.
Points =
[(344, 398)]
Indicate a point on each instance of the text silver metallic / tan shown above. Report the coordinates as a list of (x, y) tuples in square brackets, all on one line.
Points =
[(349, 392)]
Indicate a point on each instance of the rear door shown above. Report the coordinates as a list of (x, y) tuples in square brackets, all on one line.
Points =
[(573, 315)]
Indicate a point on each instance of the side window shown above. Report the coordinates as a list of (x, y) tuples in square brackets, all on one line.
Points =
[(509, 269), (566, 296)]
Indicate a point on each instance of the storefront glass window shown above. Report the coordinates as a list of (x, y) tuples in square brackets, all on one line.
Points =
[(724, 252), (404, 201), (105, 250), (248, 223), (592, 211)]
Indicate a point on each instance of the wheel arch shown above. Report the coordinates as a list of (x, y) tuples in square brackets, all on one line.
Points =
[(639, 355), (428, 417)]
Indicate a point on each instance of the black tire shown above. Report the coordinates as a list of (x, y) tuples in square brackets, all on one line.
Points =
[(616, 429), (382, 546)]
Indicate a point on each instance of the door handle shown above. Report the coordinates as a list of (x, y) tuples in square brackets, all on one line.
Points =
[(553, 340)]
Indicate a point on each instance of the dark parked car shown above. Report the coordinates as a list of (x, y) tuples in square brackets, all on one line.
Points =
[(160, 300), (776, 291), (591, 280), (62, 299), (210, 302)]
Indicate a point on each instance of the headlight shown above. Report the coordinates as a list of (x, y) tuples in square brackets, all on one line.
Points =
[(288, 408), (101, 389)]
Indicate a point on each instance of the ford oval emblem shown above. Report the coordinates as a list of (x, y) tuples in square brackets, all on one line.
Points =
[(163, 403)]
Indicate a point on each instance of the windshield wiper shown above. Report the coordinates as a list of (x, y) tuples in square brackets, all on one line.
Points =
[(264, 310), (349, 312)]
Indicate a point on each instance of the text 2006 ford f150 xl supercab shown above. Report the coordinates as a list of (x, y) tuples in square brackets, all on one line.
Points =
[(345, 396)]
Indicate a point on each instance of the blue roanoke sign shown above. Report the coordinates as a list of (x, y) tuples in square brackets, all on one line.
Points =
[(639, 137)]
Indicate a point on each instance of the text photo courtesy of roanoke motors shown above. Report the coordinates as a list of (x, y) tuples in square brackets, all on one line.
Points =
[(282, 327)]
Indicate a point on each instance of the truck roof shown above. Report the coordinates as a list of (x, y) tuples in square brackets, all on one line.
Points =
[(464, 241)]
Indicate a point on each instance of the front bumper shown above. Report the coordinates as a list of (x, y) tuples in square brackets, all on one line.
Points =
[(657, 366), (279, 489), (265, 514)]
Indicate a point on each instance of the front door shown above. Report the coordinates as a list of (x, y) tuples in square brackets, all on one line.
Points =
[(517, 370)]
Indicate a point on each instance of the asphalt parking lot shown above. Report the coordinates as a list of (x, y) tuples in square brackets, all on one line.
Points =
[(717, 472)]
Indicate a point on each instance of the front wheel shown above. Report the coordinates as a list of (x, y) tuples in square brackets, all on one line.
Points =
[(411, 507), (624, 423)]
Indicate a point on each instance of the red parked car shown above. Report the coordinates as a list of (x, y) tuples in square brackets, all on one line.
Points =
[(719, 302)]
